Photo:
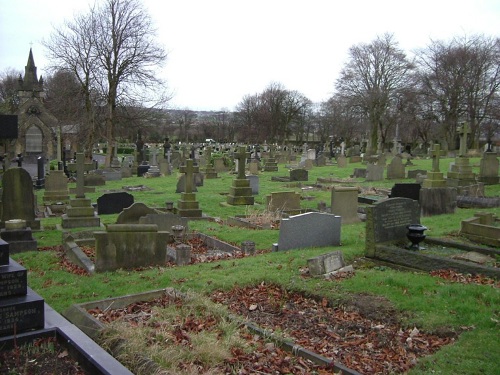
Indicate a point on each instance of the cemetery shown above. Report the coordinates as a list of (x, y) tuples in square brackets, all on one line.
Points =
[(135, 246)]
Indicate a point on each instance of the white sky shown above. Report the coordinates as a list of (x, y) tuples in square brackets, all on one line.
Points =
[(222, 50)]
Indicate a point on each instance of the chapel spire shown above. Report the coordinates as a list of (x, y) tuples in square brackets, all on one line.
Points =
[(30, 81)]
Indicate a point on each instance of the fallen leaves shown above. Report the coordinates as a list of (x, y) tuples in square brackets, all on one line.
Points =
[(456, 277)]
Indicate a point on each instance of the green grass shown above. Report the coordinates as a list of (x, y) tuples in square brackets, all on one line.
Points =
[(423, 301)]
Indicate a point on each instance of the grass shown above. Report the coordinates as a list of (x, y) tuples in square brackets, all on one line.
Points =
[(424, 301)]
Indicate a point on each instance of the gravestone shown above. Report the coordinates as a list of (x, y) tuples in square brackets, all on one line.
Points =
[(326, 263), (374, 172), (56, 188), (341, 161), (210, 171), (187, 206), (181, 183), (396, 169), (411, 191), (18, 199), (254, 183), (345, 203), (130, 246), (240, 192), (299, 175), (270, 165), (488, 171), (438, 201), (253, 167), (283, 201), (80, 212), (387, 221), (133, 213), (21, 309), (114, 203), (219, 165), (94, 179), (355, 159), (311, 229), (40, 180), (359, 173)]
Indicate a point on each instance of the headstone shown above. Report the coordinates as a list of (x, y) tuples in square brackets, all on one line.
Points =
[(374, 172), (253, 167), (283, 201), (488, 171), (133, 213), (114, 203), (40, 180), (325, 263), (311, 229), (299, 175), (438, 201), (355, 159), (130, 246), (396, 169), (341, 161), (411, 191), (435, 177), (18, 236), (345, 203), (460, 173), (94, 179), (219, 165), (359, 173), (56, 188), (18, 199), (21, 309), (254, 183), (387, 221)]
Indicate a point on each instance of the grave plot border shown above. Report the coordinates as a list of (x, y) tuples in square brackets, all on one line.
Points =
[(78, 315), (425, 262), (93, 358)]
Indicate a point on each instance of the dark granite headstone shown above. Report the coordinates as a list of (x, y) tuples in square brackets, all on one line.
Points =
[(299, 175), (13, 280), (141, 169), (387, 221), (4, 253), (21, 313), (114, 203), (411, 191)]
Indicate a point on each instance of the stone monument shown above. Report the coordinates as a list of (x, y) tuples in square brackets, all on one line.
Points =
[(460, 173), (187, 206), (241, 191)]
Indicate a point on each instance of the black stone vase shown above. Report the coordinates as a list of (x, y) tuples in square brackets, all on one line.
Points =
[(415, 235)]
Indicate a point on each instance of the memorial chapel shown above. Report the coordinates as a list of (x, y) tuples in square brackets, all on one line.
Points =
[(37, 126)]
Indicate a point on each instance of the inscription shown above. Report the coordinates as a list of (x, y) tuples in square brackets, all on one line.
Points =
[(398, 215)]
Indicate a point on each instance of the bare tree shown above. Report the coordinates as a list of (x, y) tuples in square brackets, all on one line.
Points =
[(372, 80), (112, 50)]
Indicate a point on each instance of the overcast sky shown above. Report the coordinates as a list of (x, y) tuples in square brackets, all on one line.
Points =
[(221, 50)]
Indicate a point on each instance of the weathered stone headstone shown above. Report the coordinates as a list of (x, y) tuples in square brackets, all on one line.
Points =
[(414, 172), (129, 246), (435, 177), (488, 171), (325, 263), (311, 229), (438, 200), (56, 188), (283, 201), (460, 173), (18, 199), (114, 203), (341, 161), (387, 221), (345, 203), (254, 183), (396, 169), (374, 172), (359, 173), (299, 175), (133, 213)]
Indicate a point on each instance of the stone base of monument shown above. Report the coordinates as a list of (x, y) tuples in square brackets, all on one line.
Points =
[(240, 193), (80, 213), (79, 315), (438, 200), (188, 206), (18, 236)]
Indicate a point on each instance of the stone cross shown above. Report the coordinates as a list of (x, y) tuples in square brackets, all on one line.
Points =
[(241, 156), (80, 167), (436, 153), (208, 154), (189, 169), (154, 154), (462, 131)]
